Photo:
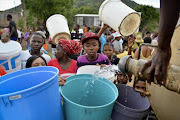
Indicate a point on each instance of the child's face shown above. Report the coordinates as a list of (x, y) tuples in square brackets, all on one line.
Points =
[(141, 85), (108, 51), (91, 47), (125, 46), (118, 38), (121, 78)]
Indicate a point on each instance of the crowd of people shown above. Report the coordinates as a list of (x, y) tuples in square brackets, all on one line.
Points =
[(103, 46)]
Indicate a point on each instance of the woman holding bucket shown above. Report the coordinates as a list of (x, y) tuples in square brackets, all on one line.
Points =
[(63, 50)]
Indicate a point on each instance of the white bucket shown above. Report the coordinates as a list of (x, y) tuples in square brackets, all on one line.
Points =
[(119, 16), (10, 59), (93, 69), (57, 26)]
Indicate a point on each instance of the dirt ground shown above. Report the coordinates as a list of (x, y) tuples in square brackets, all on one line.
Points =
[(49, 50)]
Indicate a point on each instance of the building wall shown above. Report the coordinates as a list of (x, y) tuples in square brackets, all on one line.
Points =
[(89, 20), (3, 17)]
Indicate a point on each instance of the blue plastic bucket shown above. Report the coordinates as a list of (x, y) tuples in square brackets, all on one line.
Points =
[(130, 105), (86, 97), (31, 94)]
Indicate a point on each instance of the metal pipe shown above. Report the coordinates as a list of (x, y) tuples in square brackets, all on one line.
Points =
[(129, 65)]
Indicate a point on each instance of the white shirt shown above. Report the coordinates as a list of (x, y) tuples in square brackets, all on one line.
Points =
[(19, 33), (117, 46), (25, 55)]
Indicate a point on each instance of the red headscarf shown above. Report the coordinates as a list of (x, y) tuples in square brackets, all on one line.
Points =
[(70, 46)]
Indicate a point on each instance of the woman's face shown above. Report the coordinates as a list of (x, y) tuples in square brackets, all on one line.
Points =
[(38, 62), (59, 52)]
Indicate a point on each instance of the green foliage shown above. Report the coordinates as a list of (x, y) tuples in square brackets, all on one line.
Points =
[(29, 21), (43, 9), (149, 17), (130, 3)]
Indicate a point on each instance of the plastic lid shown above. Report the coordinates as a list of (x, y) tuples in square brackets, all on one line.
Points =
[(9, 49)]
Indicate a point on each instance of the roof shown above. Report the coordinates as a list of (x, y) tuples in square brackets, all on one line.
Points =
[(87, 15)]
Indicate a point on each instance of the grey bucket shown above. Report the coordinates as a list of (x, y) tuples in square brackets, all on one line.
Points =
[(130, 105)]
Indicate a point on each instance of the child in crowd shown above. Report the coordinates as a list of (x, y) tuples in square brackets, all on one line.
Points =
[(117, 44), (144, 52), (108, 51), (140, 84), (27, 36), (91, 46), (36, 42), (35, 61), (122, 78), (2, 71), (63, 50)]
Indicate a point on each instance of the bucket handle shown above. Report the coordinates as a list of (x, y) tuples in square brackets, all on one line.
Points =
[(6, 102)]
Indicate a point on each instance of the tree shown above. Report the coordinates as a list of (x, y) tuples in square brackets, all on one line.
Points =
[(149, 17), (43, 9)]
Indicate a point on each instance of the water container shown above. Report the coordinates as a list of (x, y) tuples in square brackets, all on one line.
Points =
[(66, 75), (10, 59), (130, 105), (57, 26), (30, 94), (119, 16), (88, 69), (86, 97), (94, 69)]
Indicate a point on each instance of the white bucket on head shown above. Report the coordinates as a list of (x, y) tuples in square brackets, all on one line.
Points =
[(119, 16), (57, 26), (10, 59)]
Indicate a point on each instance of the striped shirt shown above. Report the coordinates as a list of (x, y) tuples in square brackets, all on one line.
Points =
[(101, 59)]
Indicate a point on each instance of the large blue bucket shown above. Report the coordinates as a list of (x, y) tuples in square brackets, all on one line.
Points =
[(86, 97), (30, 94)]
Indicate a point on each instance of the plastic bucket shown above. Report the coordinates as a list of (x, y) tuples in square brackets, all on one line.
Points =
[(10, 59), (31, 94), (93, 69), (119, 16), (66, 75), (57, 26), (86, 97), (88, 69), (130, 105)]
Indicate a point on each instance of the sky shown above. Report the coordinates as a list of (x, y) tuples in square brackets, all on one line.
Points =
[(154, 3), (7, 4)]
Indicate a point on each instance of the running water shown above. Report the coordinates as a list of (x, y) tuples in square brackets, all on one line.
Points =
[(87, 89)]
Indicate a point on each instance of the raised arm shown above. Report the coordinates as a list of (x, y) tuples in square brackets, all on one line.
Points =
[(104, 27), (169, 14)]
